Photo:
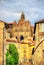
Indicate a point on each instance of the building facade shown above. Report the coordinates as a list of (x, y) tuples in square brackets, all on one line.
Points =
[(39, 43), (2, 41), (24, 49), (20, 30)]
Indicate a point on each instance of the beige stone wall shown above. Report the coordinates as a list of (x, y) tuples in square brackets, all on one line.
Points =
[(1, 41), (38, 31), (38, 57), (23, 30)]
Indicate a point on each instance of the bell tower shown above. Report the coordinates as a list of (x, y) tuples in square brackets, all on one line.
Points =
[(22, 16)]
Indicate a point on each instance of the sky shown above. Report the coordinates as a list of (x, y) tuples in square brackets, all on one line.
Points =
[(10, 10)]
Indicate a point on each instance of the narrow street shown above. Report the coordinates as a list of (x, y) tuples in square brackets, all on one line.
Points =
[(26, 63)]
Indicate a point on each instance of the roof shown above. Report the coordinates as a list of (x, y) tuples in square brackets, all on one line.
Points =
[(2, 21), (14, 23), (15, 41), (40, 21), (32, 26), (10, 23)]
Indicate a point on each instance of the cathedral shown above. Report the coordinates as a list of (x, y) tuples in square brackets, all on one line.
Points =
[(20, 30)]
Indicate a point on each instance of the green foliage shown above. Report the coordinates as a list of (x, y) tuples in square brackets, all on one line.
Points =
[(12, 55)]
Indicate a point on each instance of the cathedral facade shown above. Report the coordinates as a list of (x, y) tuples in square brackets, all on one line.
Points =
[(20, 30)]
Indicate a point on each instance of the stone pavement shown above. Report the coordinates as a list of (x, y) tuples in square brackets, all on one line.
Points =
[(26, 63)]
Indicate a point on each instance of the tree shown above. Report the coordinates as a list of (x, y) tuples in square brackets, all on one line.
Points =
[(12, 55)]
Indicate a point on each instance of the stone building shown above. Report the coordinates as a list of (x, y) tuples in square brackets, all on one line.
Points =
[(24, 49), (20, 30), (16, 31), (38, 55), (2, 41)]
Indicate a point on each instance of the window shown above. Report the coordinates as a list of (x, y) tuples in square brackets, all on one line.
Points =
[(43, 27), (21, 37)]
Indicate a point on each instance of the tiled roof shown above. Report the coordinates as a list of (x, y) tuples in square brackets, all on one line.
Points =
[(10, 23)]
